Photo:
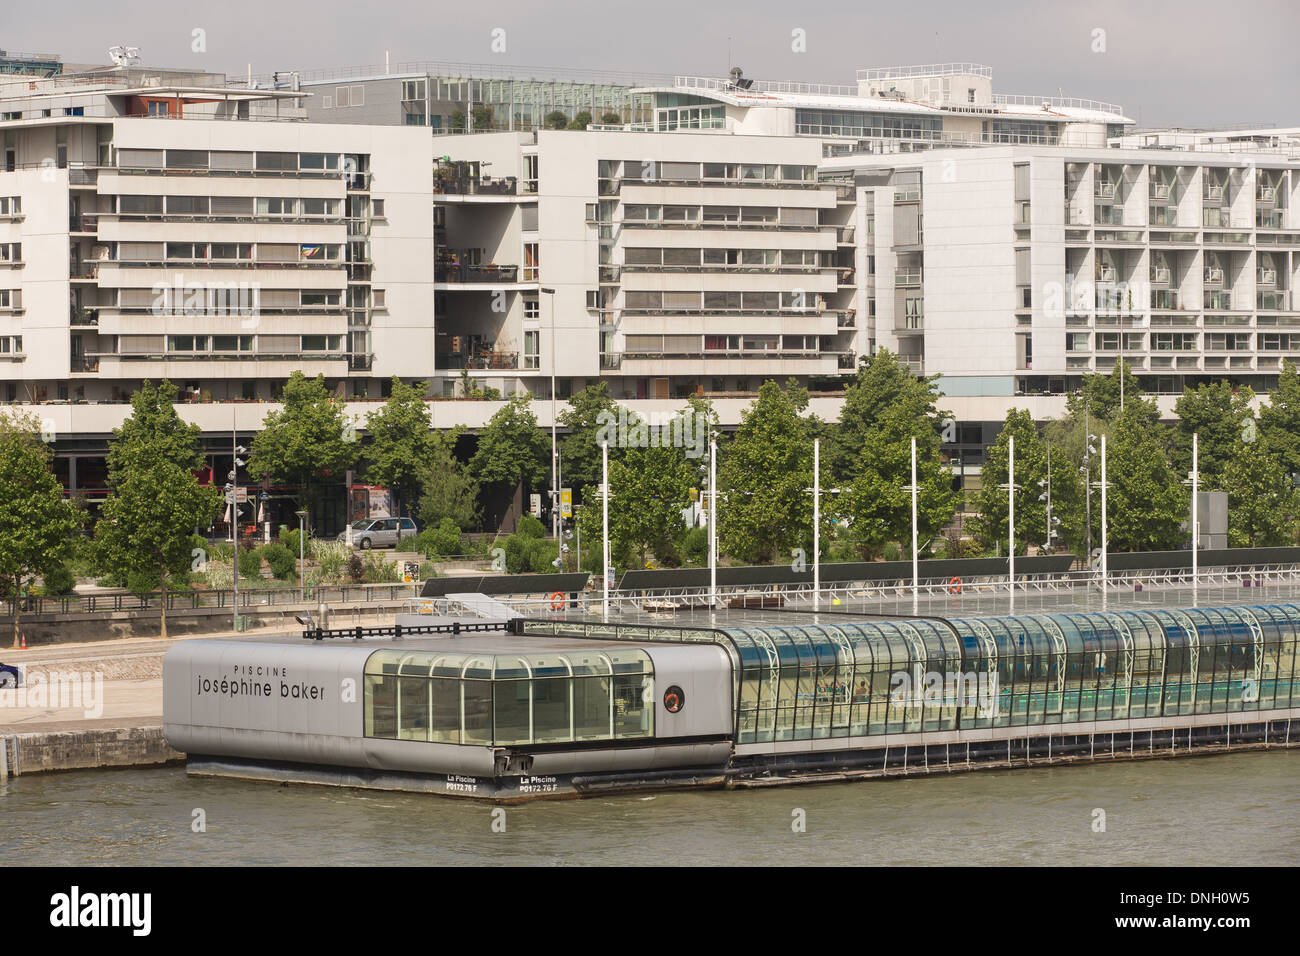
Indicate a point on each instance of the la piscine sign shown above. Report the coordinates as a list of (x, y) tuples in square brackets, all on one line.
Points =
[(257, 680)]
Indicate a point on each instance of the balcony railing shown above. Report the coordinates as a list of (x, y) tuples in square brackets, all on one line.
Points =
[(846, 319), (86, 223), (449, 273), (84, 363), (1213, 192), (907, 278), (475, 186), (1214, 276), (1160, 275), (1105, 190), (482, 360), (1266, 194), (84, 317), (1160, 190), (844, 235), (1266, 277)]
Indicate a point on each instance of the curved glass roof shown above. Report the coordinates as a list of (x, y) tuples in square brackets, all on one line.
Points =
[(509, 666)]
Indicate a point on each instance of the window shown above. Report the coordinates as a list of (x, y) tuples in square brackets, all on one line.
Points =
[(276, 207), (322, 343), (319, 298), (232, 343), (531, 345), (318, 161), (138, 205), (532, 308), (187, 205)]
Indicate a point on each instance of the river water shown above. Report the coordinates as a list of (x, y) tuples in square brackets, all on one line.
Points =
[(1231, 809)]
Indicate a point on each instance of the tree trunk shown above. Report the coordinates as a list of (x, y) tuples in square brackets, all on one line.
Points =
[(163, 605), (18, 606)]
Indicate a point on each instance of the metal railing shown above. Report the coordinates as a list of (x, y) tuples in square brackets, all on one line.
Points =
[(925, 69)]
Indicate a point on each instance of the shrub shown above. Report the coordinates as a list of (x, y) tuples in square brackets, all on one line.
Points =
[(250, 563), (356, 569), (428, 570), (59, 581), (442, 540), (530, 527), (283, 562), (695, 546), (331, 558), (377, 570), (289, 538), (891, 553), (218, 575)]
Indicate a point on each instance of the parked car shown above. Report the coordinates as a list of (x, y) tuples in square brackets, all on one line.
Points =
[(9, 676), (380, 532)]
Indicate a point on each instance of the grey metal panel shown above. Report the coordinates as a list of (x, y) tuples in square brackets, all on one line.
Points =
[(706, 754), (703, 671), (427, 757), (848, 571), (246, 698), (507, 584)]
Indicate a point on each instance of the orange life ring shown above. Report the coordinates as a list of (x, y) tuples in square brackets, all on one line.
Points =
[(557, 601), (954, 586)]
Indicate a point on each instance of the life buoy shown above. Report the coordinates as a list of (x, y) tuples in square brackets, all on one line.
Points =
[(557, 601), (954, 586)]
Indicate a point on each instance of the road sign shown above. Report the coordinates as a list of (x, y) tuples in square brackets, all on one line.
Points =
[(535, 505), (240, 496)]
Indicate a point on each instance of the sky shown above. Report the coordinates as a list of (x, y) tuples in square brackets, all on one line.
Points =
[(1167, 62)]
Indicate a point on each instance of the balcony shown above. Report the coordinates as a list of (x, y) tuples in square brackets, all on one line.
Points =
[(83, 317), (1160, 190), (1273, 301), (1266, 194), (907, 279), (1105, 190), (84, 363), (846, 276), (1160, 276), (846, 319), (87, 223), (1213, 192), (1105, 273), (488, 273), (476, 186), (844, 235), (1214, 276), (608, 274), (360, 362), (481, 360), (1266, 277)]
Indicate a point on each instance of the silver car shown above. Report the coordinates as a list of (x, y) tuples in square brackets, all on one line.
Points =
[(379, 532)]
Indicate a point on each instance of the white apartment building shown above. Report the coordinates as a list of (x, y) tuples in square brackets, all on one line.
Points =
[(725, 231)]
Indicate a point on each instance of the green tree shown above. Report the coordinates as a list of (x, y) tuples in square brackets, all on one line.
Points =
[(308, 439), (610, 118), (581, 120), (512, 448), (587, 415), (1221, 415), (1146, 501), (649, 488), (1279, 420), (882, 383), (765, 480), (146, 532), (1263, 504), (482, 118), (401, 442), (556, 119), (36, 524), (991, 526), (879, 503), (450, 491), (1101, 396), (154, 423)]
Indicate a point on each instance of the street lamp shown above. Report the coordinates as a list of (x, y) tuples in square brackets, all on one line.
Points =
[(302, 562), (555, 466)]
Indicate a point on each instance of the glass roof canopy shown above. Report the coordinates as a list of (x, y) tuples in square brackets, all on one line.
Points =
[(828, 675)]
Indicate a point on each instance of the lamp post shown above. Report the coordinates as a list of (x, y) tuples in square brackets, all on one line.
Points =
[(1105, 549), (555, 461), (604, 519), (817, 515), (1011, 513), (713, 522), (302, 561), (916, 577), (1195, 476)]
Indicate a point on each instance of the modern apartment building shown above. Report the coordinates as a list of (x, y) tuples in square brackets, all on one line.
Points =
[(223, 233)]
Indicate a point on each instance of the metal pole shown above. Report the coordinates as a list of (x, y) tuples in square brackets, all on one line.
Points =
[(916, 579), (1087, 487), (234, 520), (1105, 565), (1049, 496), (1196, 523), (713, 522), (604, 517), (302, 560), (817, 516), (1011, 511)]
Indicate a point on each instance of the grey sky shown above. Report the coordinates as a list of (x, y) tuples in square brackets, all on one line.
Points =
[(1183, 62)]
